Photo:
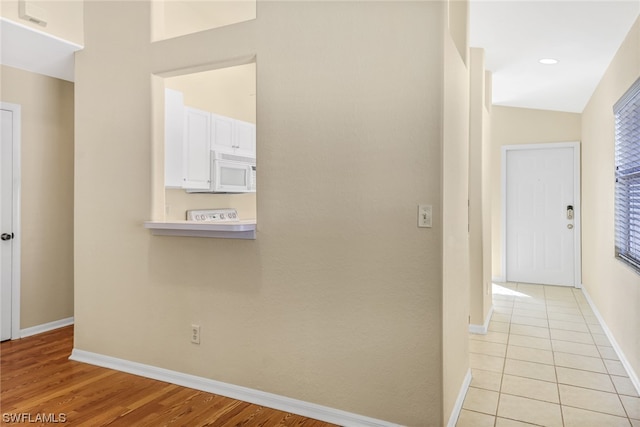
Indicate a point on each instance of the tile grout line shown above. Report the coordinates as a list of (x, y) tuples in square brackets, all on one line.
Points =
[(601, 358), (504, 362), (553, 357), (504, 366), (511, 307), (624, 408)]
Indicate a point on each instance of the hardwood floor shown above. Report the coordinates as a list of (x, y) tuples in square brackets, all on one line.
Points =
[(38, 380)]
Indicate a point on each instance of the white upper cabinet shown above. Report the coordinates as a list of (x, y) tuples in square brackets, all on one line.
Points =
[(222, 134), (196, 150), (190, 136), (245, 138), (173, 134), (233, 136)]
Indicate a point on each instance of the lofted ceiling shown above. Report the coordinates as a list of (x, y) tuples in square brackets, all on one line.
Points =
[(582, 35)]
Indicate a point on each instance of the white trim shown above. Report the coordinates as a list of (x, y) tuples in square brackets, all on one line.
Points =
[(577, 221), (482, 329), (498, 279), (46, 327), (457, 407), (33, 50), (270, 400), (71, 44), (503, 210), (633, 376), (575, 145), (224, 230), (15, 252)]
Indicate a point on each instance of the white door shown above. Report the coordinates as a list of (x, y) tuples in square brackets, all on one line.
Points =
[(541, 189), (6, 226)]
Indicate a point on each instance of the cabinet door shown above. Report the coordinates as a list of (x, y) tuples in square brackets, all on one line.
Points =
[(197, 133), (245, 140), (222, 133), (173, 134)]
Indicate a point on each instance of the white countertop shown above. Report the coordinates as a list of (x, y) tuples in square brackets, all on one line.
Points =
[(245, 229)]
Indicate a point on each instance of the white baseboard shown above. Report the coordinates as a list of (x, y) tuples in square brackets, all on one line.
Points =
[(633, 376), (46, 327), (270, 400), (498, 279), (482, 329), (455, 413)]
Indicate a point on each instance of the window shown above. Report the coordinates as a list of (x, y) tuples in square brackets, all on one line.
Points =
[(627, 200)]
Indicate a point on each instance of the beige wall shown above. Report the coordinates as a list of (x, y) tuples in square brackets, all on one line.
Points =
[(177, 18), (46, 194), (339, 300), (458, 23), (64, 18), (511, 126), (227, 91), (479, 191), (455, 220), (613, 286), (487, 196), (177, 202)]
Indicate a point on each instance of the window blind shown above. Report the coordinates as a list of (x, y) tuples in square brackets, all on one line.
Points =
[(627, 158)]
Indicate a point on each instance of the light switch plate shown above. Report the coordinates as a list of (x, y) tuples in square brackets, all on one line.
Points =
[(425, 213)]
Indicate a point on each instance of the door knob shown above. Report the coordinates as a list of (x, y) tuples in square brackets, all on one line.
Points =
[(6, 236)]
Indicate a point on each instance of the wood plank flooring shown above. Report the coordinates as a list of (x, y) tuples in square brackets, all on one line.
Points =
[(38, 379)]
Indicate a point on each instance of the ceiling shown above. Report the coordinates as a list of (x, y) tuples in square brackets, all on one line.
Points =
[(583, 35)]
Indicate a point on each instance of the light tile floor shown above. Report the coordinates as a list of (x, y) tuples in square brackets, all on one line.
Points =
[(546, 362)]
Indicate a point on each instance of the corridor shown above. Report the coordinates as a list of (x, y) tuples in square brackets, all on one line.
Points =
[(546, 361)]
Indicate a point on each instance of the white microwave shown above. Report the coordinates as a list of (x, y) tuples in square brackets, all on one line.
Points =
[(230, 173)]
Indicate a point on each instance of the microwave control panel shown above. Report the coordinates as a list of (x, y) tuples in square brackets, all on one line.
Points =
[(213, 215)]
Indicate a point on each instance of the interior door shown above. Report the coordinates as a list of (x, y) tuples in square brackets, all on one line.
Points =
[(542, 214), (6, 226)]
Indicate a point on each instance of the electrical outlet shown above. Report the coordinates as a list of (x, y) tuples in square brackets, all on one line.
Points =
[(195, 334), (424, 215)]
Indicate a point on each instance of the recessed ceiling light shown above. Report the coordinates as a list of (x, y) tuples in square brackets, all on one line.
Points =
[(548, 61)]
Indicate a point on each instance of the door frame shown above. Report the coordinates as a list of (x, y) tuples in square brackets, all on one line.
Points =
[(575, 145), (15, 247)]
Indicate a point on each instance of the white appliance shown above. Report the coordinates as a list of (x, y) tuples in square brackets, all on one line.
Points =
[(213, 215), (230, 173)]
